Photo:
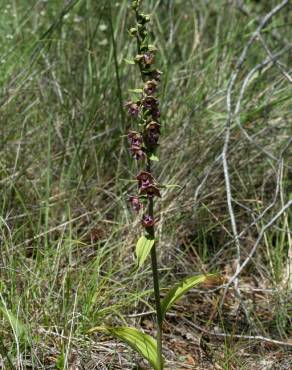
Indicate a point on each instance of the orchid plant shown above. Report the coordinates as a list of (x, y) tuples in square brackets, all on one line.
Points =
[(144, 141)]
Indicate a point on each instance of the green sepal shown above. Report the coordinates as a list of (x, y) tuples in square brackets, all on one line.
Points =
[(129, 61)]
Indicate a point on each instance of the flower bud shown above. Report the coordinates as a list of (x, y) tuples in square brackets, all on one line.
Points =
[(144, 18), (135, 203), (133, 31), (135, 4)]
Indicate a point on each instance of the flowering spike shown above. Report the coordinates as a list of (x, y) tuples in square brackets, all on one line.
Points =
[(143, 144)]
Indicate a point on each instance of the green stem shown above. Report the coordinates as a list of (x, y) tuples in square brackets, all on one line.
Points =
[(155, 275), (157, 304)]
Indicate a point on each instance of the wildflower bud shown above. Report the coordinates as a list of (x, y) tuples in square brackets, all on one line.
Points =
[(135, 4), (150, 87), (135, 203), (148, 221), (143, 34), (133, 108), (133, 31), (144, 18)]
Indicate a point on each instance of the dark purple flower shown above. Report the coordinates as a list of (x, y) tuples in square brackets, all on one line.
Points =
[(150, 103), (135, 138), (137, 152), (144, 179), (148, 221), (151, 191), (150, 87), (135, 203), (152, 133), (156, 74), (155, 113), (148, 58), (133, 108)]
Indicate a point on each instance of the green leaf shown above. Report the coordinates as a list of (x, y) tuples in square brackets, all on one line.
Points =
[(129, 61), (181, 288), (153, 157), (17, 326), (136, 91), (143, 248), (60, 363), (142, 343)]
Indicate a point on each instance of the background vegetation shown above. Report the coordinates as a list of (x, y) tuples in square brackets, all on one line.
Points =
[(67, 235)]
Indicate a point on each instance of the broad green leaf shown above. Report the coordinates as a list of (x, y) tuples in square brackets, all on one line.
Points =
[(142, 343), (143, 248), (17, 326), (153, 157), (181, 288)]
